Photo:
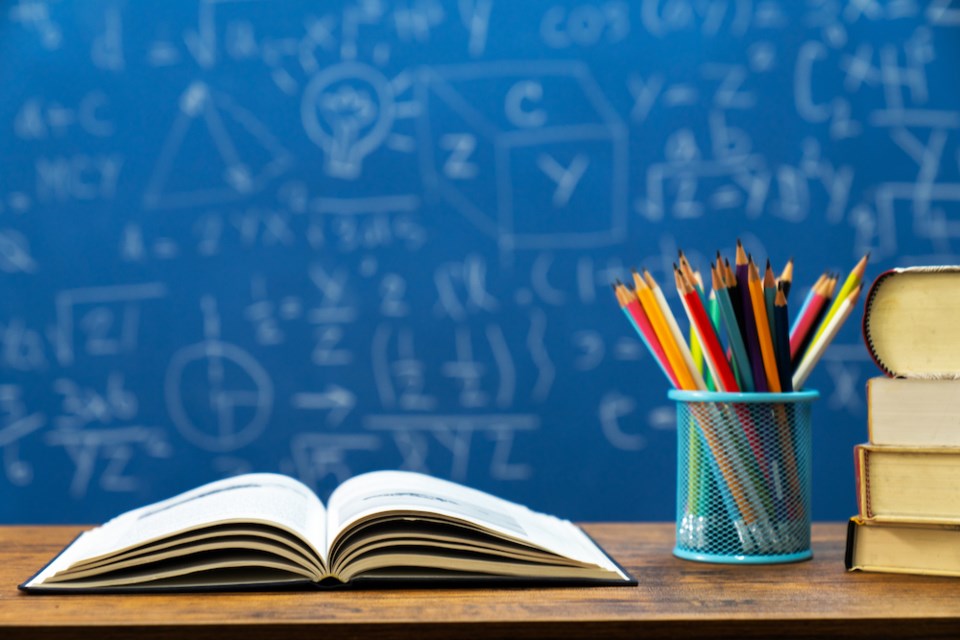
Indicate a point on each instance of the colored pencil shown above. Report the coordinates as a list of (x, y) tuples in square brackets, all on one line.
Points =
[(736, 300), (696, 352), (853, 280), (806, 302), (641, 323), (734, 336), (712, 351), (713, 310), (698, 381), (664, 336), (814, 317), (820, 345), (786, 278), (769, 295), (691, 275), (751, 337), (782, 340), (763, 329)]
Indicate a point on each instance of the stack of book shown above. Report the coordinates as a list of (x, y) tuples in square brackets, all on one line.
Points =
[(908, 474)]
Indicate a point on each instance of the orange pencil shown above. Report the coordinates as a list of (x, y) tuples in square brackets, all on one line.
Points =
[(670, 348), (678, 337), (763, 328)]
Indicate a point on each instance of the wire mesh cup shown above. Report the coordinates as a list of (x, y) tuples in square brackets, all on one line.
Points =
[(743, 476)]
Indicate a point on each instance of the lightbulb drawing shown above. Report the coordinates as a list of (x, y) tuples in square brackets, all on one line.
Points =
[(347, 110)]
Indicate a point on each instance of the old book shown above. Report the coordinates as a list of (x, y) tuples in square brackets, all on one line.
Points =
[(910, 412), (910, 322), (903, 548), (908, 484), (386, 527)]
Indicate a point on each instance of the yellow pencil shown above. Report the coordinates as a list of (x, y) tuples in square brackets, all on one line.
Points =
[(659, 324), (853, 281)]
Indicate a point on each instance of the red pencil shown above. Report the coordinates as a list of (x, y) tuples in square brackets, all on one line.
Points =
[(811, 315), (631, 305), (708, 338)]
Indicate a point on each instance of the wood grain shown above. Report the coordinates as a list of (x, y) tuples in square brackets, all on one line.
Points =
[(675, 599)]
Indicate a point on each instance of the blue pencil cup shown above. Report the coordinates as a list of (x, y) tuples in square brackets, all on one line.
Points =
[(743, 476)]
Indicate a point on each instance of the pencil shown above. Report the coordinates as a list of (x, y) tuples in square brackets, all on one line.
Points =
[(751, 337), (696, 349), (818, 314), (712, 351), (696, 352), (671, 322), (734, 337), (713, 310), (782, 340), (635, 314), (769, 296), (820, 344), (664, 336), (786, 278), (692, 276), (806, 302), (853, 280), (763, 330), (805, 324), (729, 279)]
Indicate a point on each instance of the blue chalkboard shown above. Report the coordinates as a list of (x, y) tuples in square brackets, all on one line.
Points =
[(326, 238)]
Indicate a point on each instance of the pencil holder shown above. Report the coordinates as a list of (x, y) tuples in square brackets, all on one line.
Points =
[(743, 476)]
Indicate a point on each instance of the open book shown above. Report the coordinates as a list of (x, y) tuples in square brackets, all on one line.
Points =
[(268, 530)]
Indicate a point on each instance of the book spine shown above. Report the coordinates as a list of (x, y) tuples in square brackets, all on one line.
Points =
[(862, 482), (851, 543)]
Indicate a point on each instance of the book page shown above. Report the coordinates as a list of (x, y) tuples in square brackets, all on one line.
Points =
[(251, 498), (404, 493)]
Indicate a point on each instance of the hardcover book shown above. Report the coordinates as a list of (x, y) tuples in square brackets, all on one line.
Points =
[(263, 530), (910, 322), (908, 484), (911, 412), (903, 548)]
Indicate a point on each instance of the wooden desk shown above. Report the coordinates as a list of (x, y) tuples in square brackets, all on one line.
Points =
[(675, 599)]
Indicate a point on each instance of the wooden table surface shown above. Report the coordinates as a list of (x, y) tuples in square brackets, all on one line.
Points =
[(675, 599)]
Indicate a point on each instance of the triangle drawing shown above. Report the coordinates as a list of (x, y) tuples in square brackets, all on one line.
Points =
[(215, 152)]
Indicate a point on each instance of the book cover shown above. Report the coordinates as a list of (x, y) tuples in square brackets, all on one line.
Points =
[(903, 548), (908, 484)]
